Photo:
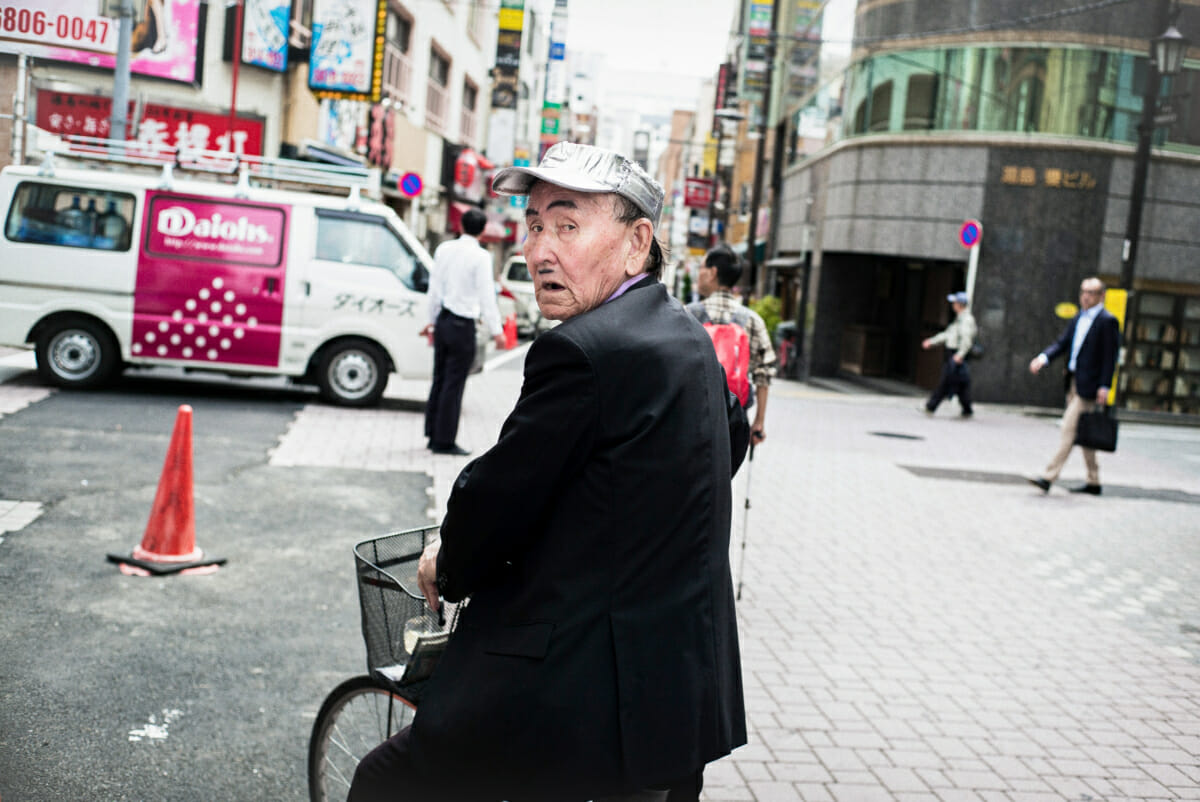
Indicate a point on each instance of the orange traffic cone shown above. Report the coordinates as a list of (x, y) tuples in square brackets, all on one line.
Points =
[(169, 544), (510, 332)]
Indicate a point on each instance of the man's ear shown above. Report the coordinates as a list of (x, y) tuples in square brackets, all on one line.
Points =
[(640, 239)]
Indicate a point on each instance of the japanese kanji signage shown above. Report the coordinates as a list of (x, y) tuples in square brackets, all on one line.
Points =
[(163, 44), (160, 126), (1054, 177)]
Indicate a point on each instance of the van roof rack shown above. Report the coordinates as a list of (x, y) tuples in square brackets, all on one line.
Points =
[(211, 164)]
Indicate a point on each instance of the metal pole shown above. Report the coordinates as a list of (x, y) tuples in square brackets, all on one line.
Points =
[(973, 266), (1141, 167), (1141, 164), (237, 59), (120, 103), (760, 155), (18, 141)]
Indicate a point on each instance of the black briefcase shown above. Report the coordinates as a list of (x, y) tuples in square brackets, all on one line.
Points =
[(1097, 429)]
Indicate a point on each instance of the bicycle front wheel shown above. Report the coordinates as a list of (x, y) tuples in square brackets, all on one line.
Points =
[(356, 717)]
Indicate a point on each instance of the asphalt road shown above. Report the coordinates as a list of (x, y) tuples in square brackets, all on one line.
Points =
[(179, 687)]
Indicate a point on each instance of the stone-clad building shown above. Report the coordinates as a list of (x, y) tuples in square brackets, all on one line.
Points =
[(1022, 115)]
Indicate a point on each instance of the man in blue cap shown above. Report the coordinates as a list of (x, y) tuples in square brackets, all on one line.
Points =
[(958, 338)]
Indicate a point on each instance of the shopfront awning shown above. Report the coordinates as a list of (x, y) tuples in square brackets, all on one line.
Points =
[(785, 264), (329, 154)]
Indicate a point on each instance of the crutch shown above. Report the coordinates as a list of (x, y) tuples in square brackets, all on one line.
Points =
[(745, 524)]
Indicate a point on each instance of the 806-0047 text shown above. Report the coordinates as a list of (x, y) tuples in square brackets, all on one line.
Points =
[(64, 30)]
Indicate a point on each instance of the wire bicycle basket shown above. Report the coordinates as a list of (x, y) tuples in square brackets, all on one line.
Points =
[(396, 622)]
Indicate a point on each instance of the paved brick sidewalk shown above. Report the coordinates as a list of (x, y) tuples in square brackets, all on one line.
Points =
[(915, 638), (908, 636)]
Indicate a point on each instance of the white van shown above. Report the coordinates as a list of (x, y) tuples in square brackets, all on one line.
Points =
[(102, 269)]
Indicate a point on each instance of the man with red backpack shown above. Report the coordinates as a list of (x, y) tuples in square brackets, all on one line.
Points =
[(739, 335)]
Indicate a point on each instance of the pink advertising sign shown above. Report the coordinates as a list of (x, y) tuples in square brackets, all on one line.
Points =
[(210, 281), (164, 43), (234, 232)]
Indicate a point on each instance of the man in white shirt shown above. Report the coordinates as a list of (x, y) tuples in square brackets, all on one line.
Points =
[(1090, 342), (461, 290)]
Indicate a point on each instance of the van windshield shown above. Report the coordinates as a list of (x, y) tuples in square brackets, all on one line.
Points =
[(367, 240), (519, 271)]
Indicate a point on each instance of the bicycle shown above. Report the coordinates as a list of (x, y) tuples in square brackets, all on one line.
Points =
[(364, 711)]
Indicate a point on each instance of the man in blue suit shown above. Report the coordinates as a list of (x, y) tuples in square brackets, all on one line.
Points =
[(1090, 343)]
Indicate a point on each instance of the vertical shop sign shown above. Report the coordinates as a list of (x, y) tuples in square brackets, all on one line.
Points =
[(346, 59), (804, 49), (758, 47), (265, 33), (556, 78)]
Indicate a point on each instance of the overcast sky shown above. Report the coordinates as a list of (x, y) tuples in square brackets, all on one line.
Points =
[(664, 47)]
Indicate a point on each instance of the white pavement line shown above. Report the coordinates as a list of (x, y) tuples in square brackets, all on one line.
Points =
[(16, 515), (14, 398), (21, 359), (504, 359)]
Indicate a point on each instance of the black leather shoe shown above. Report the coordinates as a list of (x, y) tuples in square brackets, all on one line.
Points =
[(1091, 490), (454, 450), (1040, 483)]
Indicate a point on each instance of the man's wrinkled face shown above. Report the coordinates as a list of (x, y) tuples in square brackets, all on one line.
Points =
[(577, 251)]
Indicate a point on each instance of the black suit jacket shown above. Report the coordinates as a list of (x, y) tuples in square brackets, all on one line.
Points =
[(599, 650), (1097, 356)]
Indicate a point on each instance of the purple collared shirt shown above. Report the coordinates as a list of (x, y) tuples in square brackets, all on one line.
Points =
[(628, 283)]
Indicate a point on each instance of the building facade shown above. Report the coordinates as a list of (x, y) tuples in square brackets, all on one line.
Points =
[(1023, 116), (431, 61)]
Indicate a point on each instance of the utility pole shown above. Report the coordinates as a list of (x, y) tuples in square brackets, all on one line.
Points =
[(120, 102), (760, 155)]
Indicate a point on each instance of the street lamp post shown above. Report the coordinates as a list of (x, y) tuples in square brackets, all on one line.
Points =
[(1166, 58), (721, 115)]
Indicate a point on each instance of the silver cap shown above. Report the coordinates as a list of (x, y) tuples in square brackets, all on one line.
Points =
[(585, 168)]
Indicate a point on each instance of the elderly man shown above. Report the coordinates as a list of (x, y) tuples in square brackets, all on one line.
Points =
[(598, 656), (958, 338)]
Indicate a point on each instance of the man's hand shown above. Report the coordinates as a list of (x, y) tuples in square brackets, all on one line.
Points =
[(1036, 364), (757, 434), (427, 331), (499, 341), (1102, 396), (926, 344), (958, 359), (427, 575)]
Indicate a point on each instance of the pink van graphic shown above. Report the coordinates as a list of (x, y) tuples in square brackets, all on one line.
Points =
[(210, 280)]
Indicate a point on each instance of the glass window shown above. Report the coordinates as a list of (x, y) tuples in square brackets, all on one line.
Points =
[(398, 31), (439, 68), (54, 214), (519, 271), (1058, 91), (470, 94), (920, 102), (366, 240)]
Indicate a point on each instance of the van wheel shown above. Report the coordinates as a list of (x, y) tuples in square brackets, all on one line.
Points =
[(352, 374), (76, 353)]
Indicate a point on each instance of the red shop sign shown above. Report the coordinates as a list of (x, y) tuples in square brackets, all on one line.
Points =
[(66, 113), (697, 192)]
